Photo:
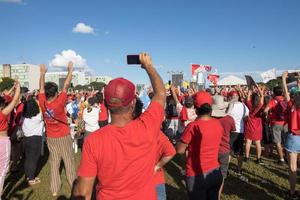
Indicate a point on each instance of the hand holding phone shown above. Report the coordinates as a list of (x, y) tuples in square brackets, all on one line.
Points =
[(133, 59)]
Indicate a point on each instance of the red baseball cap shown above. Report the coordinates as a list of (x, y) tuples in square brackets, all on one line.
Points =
[(119, 93), (201, 98)]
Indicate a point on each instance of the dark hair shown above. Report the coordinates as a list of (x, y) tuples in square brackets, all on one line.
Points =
[(31, 108), (277, 91), (138, 109), (205, 109), (151, 95), (297, 99), (51, 89), (255, 100), (188, 102), (2, 102), (99, 97)]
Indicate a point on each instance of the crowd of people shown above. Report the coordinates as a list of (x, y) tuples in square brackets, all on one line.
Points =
[(126, 143)]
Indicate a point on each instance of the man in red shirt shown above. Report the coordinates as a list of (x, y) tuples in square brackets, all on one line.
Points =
[(202, 140), (276, 110), (57, 129), (122, 154)]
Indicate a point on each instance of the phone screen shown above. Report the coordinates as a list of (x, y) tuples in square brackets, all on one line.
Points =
[(133, 60)]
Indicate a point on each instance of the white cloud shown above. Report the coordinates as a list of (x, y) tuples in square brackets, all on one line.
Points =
[(11, 1), (106, 32), (83, 28), (62, 59)]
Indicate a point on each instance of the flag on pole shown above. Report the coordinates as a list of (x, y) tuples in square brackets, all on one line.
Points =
[(213, 78), (268, 75)]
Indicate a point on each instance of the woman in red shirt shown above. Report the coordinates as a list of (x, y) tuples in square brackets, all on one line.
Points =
[(292, 144), (202, 140), (5, 145), (253, 124)]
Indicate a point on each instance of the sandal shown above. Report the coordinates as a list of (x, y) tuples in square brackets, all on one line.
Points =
[(34, 181)]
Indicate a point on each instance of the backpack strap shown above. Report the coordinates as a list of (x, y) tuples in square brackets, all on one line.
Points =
[(53, 116)]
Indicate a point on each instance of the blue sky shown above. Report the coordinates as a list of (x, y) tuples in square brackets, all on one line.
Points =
[(230, 35)]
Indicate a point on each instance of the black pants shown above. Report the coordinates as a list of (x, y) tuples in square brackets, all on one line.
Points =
[(205, 186), (32, 149)]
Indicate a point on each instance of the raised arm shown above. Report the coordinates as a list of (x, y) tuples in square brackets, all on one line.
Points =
[(156, 81), (14, 101), (173, 90), (285, 88), (69, 77), (43, 71)]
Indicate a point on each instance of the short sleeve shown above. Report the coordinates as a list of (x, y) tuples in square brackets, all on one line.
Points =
[(271, 104), (187, 134), (88, 163), (167, 147), (153, 117), (63, 97), (42, 100)]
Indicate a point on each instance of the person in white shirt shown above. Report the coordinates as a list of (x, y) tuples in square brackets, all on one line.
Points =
[(238, 111), (91, 116), (32, 127)]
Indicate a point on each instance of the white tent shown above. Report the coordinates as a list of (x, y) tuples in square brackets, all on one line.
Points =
[(232, 80)]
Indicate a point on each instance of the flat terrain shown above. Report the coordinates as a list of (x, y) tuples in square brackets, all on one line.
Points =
[(265, 182)]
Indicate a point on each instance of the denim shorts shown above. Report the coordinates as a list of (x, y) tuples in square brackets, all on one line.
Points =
[(161, 192), (292, 143)]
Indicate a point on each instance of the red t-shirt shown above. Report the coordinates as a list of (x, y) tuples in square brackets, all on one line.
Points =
[(3, 122), (272, 104), (253, 125), (228, 125), (103, 114), (123, 159), (203, 138), (294, 118), (164, 148), (56, 109)]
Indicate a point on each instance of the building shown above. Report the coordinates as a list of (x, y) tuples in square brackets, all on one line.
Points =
[(79, 78), (28, 74)]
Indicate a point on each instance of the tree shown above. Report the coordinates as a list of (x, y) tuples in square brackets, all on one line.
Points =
[(6, 83), (97, 85)]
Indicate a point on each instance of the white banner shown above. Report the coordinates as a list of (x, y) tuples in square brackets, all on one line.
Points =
[(268, 75)]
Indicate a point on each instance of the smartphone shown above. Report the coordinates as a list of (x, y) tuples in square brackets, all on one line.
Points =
[(133, 60)]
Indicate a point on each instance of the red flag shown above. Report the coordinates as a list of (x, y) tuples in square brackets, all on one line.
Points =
[(213, 78), (195, 69)]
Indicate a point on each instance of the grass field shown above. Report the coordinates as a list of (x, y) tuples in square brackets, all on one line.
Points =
[(265, 182)]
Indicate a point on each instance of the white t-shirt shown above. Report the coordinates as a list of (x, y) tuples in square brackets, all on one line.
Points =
[(69, 108), (33, 126), (91, 119), (238, 111), (191, 117)]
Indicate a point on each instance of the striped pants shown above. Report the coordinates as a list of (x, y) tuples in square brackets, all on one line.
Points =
[(61, 149), (5, 148)]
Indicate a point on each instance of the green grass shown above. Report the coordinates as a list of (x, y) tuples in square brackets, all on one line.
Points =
[(266, 182)]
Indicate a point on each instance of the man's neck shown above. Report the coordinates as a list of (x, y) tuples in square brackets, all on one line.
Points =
[(120, 120)]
